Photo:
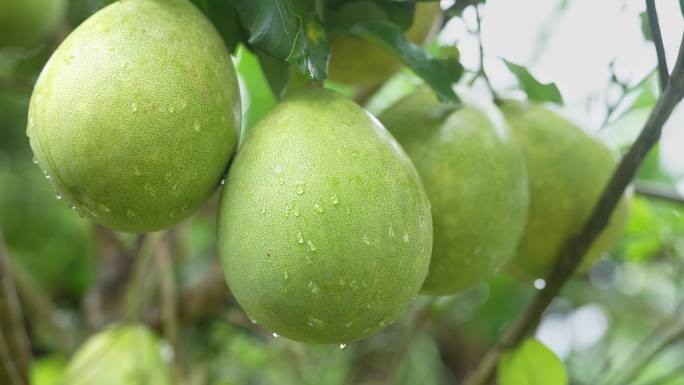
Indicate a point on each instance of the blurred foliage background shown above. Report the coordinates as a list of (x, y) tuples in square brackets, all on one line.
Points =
[(74, 277)]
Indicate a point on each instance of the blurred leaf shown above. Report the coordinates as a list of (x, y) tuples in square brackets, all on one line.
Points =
[(534, 89), (258, 98), (344, 14), (422, 363), (460, 5), (439, 74), (651, 169), (531, 363), (297, 38), (645, 26), (681, 6)]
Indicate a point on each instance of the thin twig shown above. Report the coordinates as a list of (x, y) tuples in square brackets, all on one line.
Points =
[(654, 25), (481, 71), (576, 246), (169, 308), (12, 320)]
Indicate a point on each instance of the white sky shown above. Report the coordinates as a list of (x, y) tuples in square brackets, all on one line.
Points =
[(574, 48)]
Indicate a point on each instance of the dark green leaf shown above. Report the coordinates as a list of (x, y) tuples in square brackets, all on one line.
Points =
[(531, 363), (439, 74), (681, 6), (274, 27), (224, 18), (534, 89), (343, 14), (460, 5)]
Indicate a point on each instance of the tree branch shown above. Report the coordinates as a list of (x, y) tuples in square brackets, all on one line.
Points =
[(12, 321), (574, 249), (654, 25)]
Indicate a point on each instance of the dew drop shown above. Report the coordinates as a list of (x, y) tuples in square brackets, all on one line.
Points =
[(263, 208), (72, 207), (365, 239), (136, 171), (285, 274), (275, 335), (300, 238), (253, 321), (311, 245), (134, 107), (58, 196), (343, 346), (47, 176), (172, 110), (223, 181), (313, 321), (318, 208), (539, 284), (349, 324), (130, 213), (313, 288), (301, 187), (278, 169), (406, 237), (333, 199), (295, 211), (390, 232), (35, 160), (183, 105), (196, 126)]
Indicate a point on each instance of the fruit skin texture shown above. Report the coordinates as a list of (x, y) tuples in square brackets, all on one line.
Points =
[(474, 174), (325, 230), (357, 61), (25, 23), (567, 171), (137, 113), (119, 355)]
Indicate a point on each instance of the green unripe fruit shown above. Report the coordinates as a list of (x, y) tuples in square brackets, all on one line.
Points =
[(137, 114), (325, 230), (120, 355), (474, 174), (25, 23), (357, 61), (567, 171)]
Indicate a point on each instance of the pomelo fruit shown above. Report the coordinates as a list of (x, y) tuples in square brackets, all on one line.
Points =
[(136, 115), (325, 230), (474, 175), (567, 171), (356, 61), (119, 355), (25, 23)]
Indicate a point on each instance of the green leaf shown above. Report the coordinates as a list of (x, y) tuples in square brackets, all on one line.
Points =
[(645, 26), (292, 35), (460, 5), (439, 74), (531, 363), (681, 6), (340, 15), (534, 89), (258, 98), (224, 18)]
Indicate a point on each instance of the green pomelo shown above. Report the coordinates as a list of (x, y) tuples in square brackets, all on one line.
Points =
[(325, 230), (474, 174), (25, 23), (119, 355), (136, 115), (357, 61), (567, 171)]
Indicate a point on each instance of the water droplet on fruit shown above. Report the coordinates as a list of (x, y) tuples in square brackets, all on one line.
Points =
[(275, 335), (349, 324), (172, 110), (278, 168), (134, 107), (365, 239), (72, 207), (223, 181), (295, 211), (318, 208), (130, 213), (285, 274), (172, 214), (313, 321), (263, 208), (136, 171), (342, 282), (253, 321), (58, 196), (390, 232), (300, 188), (196, 126), (406, 237), (104, 208), (539, 284), (300, 238), (70, 59), (47, 176), (343, 346), (35, 160), (311, 245), (183, 104), (313, 288)]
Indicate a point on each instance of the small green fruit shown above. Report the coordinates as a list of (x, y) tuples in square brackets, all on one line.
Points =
[(120, 355), (25, 23), (136, 114), (325, 230), (474, 174), (356, 61), (567, 171)]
